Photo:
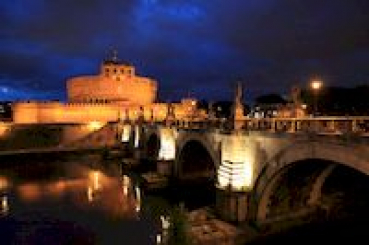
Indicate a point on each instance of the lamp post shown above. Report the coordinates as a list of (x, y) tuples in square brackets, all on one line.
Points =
[(316, 86)]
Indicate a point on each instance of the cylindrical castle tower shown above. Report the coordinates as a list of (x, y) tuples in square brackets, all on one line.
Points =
[(117, 82)]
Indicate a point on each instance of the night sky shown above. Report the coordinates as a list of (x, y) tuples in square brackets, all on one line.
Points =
[(197, 48)]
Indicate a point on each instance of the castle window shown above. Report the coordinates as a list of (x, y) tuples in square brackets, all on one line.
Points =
[(107, 70), (115, 70), (122, 71)]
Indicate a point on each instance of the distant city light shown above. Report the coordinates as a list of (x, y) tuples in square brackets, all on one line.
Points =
[(316, 84)]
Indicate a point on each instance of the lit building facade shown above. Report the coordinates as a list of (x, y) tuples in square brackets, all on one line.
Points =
[(116, 83), (116, 93)]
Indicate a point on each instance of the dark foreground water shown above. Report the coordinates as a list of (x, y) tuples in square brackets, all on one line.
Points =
[(83, 199), (55, 200)]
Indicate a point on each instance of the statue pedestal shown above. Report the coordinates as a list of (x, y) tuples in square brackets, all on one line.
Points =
[(231, 205)]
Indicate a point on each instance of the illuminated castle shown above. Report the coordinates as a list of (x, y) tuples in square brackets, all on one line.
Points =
[(117, 82), (117, 93)]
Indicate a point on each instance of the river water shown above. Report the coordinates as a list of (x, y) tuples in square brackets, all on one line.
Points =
[(58, 199)]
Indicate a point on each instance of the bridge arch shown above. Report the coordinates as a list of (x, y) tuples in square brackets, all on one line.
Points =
[(332, 153), (152, 146), (199, 145)]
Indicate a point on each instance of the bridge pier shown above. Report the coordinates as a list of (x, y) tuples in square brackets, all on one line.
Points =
[(231, 205), (164, 167)]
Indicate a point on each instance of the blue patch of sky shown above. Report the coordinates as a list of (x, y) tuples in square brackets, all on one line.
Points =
[(21, 9), (16, 46), (56, 67), (14, 93), (155, 18), (170, 10)]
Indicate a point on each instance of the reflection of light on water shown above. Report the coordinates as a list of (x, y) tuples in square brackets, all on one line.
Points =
[(4, 183), (138, 199), (164, 222), (126, 186), (90, 196), (56, 189), (158, 239), (30, 192), (4, 205), (163, 237), (125, 183), (95, 178)]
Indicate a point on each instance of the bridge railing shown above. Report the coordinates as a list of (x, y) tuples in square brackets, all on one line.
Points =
[(320, 125), (323, 125)]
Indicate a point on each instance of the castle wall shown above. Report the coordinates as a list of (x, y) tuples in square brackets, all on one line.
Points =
[(25, 112), (83, 112), (57, 112)]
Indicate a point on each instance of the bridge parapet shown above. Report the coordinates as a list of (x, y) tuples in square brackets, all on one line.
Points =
[(358, 125), (248, 158), (320, 125)]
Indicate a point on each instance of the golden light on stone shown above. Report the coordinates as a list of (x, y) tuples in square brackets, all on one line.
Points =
[(95, 125), (236, 169), (4, 128), (126, 133), (167, 144), (113, 94), (137, 136)]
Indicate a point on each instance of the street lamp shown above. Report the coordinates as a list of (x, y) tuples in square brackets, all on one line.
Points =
[(316, 86)]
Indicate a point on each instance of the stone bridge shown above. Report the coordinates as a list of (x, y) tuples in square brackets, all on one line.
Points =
[(246, 160), (247, 164)]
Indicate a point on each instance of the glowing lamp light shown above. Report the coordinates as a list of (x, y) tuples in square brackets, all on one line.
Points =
[(316, 84)]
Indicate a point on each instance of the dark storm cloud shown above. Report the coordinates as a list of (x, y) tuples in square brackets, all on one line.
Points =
[(201, 47)]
